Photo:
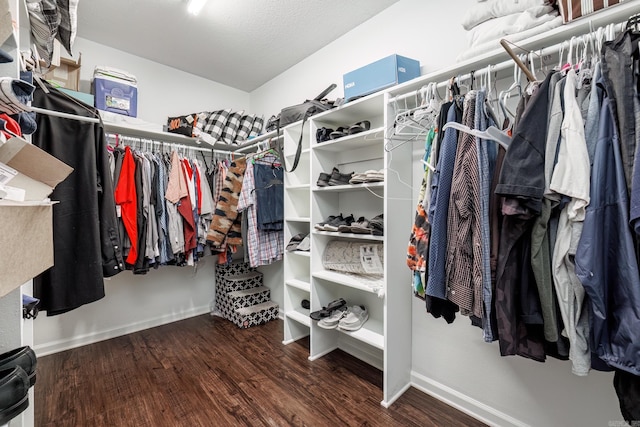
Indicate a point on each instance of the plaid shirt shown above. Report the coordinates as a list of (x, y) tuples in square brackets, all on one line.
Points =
[(264, 247), (464, 239)]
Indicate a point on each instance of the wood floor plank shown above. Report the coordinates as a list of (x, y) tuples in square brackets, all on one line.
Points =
[(204, 371)]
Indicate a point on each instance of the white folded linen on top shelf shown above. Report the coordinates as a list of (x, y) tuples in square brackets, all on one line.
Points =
[(495, 44), (485, 11), (510, 24)]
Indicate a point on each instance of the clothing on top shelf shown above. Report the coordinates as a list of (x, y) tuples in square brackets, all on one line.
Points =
[(487, 10)]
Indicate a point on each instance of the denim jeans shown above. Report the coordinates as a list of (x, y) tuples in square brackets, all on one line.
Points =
[(269, 197)]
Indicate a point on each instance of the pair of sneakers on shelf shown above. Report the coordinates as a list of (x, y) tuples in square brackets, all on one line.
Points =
[(345, 318), (374, 226), (334, 178)]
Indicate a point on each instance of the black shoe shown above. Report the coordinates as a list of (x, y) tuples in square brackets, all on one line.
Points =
[(320, 226), (23, 357), (323, 179), (346, 227), (14, 393), (377, 225), (326, 311), (323, 134), (342, 222), (338, 178), (334, 223)]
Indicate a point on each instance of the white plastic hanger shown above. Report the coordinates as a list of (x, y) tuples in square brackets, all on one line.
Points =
[(492, 133)]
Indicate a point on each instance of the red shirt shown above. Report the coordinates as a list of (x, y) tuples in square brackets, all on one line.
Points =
[(125, 196)]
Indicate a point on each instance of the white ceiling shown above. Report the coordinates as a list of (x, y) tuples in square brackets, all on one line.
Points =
[(239, 43)]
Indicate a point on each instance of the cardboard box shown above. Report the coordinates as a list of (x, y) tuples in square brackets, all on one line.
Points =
[(66, 75), (26, 230), (116, 96), (379, 75)]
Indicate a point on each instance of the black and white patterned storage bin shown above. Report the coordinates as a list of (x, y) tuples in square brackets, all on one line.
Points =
[(240, 296)]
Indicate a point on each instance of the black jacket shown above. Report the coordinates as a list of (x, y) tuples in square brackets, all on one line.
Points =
[(85, 234)]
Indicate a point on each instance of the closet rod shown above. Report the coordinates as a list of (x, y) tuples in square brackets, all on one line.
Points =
[(553, 49), (64, 115), (170, 144)]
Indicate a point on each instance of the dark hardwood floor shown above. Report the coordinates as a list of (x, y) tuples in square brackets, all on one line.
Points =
[(204, 371)]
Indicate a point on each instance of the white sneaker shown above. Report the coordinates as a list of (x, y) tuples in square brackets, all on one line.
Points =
[(354, 318), (331, 322)]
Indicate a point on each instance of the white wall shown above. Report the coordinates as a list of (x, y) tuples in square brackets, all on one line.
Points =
[(162, 91), (449, 360), (413, 28), (132, 303)]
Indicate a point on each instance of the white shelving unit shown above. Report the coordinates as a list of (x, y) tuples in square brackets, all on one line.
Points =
[(387, 301), (297, 272), (14, 330)]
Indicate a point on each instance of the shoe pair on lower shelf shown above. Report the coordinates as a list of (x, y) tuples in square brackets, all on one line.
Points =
[(17, 375), (345, 318), (335, 223), (374, 226), (334, 178)]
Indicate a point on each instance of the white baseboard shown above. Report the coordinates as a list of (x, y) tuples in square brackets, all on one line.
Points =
[(388, 403), (79, 341), (464, 403)]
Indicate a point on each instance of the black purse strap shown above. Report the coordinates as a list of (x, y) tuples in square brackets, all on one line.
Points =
[(296, 159)]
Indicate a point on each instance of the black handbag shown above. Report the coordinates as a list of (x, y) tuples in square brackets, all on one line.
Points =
[(302, 112)]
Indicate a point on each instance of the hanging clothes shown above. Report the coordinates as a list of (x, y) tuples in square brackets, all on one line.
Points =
[(226, 210), (486, 152), (436, 295), (126, 199), (571, 180), (520, 329), (85, 231), (264, 247), (464, 248), (605, 258)]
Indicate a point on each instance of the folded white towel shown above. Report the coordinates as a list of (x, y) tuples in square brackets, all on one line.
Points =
[(492, 45), (511, 24), (481, 12)]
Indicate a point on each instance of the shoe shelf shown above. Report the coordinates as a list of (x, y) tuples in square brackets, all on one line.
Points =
[(388, 297), (303, 152), (366, 108), (301, 253), (299, 187), (354, 281), (299, 284), (350, 187), (300, 315), (369, 138), (297, 219), (337, 234), (371, 333)]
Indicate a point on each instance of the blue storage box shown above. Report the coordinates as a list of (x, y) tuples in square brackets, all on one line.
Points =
[(115, 96), (379, 75)]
